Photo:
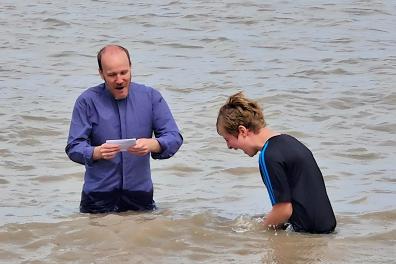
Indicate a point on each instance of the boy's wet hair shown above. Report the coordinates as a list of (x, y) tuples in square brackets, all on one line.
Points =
[(240, 111)]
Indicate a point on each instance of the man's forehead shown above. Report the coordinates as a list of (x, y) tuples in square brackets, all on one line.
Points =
[(116, 60)]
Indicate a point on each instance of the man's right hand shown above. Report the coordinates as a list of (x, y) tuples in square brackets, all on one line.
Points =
[(106, 151)]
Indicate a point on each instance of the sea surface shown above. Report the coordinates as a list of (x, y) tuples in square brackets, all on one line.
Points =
[(323, 71)]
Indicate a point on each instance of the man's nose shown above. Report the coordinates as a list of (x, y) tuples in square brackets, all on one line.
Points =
[(119, 79)]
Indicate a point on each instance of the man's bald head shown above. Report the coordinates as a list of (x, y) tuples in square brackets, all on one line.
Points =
[(111, 49)]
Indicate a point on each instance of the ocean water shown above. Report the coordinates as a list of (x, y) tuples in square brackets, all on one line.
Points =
[(324, 71)]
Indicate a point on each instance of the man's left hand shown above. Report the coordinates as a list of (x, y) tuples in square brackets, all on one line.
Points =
[(144, 146)]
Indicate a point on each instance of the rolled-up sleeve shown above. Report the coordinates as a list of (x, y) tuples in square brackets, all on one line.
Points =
[(165, 128), (78, 147)]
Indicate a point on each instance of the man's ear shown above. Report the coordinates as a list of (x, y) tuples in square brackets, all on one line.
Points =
[(242, 130), (101, 74)]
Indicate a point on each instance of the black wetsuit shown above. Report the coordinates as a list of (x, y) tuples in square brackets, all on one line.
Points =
[(291, 174)]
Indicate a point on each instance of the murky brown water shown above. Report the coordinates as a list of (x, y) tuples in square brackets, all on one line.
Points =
[(323, 71)]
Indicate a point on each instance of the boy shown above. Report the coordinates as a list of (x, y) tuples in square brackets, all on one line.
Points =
[(289, 171)]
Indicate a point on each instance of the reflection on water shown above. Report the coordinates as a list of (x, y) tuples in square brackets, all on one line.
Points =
[(323, 72)]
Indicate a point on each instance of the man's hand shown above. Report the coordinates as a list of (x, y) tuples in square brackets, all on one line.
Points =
[(145, 146), (106, 151)]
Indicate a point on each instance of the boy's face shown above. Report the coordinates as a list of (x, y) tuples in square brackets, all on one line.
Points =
[(241, 142)]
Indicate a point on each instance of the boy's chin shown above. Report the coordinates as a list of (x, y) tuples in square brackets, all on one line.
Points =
[(250, 154)]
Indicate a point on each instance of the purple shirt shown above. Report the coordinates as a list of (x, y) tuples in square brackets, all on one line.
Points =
[(97, 116)]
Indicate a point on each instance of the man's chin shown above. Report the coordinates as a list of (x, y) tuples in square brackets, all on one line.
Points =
[(120, 94), (120, 97)]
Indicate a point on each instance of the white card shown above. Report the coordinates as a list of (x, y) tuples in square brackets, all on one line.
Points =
[(124, 143)]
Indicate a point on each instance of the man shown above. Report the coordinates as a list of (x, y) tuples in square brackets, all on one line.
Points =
[(118, 181), (289, 171)]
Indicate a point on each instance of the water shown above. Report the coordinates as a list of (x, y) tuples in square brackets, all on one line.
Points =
[(323, 71)]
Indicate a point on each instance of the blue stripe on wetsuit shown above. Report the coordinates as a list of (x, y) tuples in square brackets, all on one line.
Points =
[(265, 176)]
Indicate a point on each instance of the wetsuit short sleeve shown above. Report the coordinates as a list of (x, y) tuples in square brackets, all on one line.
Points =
[(273, 174)]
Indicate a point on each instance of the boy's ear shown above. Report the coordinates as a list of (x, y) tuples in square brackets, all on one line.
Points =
[(242, 130)]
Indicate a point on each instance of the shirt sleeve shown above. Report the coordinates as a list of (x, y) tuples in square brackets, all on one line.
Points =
[(78, 147), (165, 129)]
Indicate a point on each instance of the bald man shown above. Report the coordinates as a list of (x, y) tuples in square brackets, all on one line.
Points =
[(116, 180)]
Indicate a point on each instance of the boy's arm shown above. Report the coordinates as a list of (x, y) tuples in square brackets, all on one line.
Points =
[(279, 214)]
